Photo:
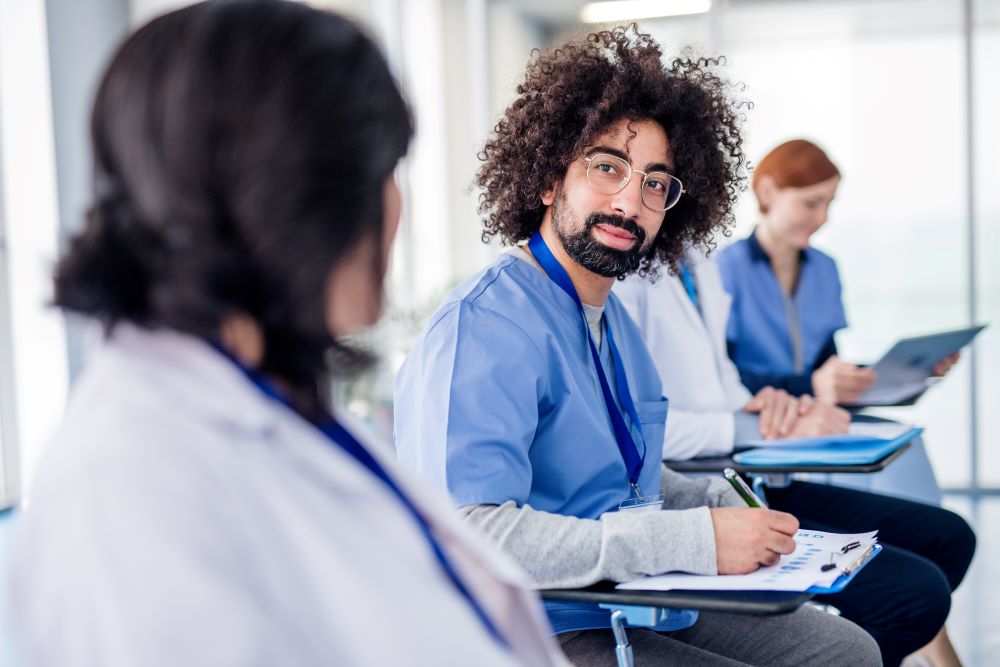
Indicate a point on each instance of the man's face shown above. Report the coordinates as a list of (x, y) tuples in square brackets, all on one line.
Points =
[(609, 233)]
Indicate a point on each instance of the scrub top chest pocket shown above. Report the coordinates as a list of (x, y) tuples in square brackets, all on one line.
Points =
[(652, 417)]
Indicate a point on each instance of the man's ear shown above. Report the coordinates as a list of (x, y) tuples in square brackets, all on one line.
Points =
[(549, 196)]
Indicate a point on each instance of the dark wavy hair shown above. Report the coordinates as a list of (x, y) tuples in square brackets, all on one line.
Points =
[(573, 94), (240, 151)]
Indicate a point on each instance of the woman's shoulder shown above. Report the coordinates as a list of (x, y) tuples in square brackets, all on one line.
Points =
[(148, 406), (732, 254), (823, 261), (739, 246)]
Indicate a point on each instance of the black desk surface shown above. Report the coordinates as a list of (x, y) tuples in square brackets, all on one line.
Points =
[(735, 602), (717, 463)]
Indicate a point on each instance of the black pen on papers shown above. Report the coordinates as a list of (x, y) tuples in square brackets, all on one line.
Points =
[(847, 547), (746, 493)]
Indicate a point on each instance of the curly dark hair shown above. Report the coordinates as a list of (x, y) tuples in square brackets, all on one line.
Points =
[(573, 94)]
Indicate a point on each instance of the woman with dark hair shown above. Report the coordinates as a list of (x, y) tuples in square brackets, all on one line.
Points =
[(200, 505)]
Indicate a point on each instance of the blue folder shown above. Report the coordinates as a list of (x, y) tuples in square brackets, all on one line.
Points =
[(833, 451)]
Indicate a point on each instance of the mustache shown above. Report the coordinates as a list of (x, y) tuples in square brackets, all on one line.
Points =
[(629, 226)]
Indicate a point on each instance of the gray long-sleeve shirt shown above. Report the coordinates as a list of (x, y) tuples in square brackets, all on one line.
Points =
[(561, 551)]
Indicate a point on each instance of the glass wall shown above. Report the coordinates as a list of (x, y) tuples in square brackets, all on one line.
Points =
[(879, 86), (986, 214), (882, 85)]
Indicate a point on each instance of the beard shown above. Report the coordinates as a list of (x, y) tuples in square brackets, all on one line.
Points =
[(590, 253)]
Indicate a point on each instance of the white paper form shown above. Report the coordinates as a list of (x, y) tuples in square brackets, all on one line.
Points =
[(794, 572)]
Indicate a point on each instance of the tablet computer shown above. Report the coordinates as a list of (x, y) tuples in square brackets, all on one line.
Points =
[(905, 370)]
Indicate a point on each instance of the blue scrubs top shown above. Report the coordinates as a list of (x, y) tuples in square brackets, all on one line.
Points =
[(759, 333), (498, 401)]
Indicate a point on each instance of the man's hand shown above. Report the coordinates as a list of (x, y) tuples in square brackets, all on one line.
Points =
[(778, 412), (943, 366), (820, 418), (837, 381), (747, 538)]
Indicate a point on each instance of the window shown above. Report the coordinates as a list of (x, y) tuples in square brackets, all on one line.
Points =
[(32, 336), (879, 87)]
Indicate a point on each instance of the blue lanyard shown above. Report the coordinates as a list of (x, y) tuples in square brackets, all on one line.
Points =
[(342, 438), (626, 445), (689, 284)]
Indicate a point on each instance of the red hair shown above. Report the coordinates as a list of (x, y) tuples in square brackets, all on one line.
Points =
[(795, 164)]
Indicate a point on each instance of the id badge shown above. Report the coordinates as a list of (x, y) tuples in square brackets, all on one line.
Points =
[(642, 504)]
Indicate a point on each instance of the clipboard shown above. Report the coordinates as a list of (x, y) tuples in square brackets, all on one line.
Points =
[(840, 583)]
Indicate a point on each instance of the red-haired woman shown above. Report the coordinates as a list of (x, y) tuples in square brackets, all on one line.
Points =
[(786, 308), (786, 294)]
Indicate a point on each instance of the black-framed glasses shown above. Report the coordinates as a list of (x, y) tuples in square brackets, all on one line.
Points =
[(609, 174)]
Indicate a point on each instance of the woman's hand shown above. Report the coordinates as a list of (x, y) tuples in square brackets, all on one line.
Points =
[(943, 366), (778, 412), (820, 418), (837, 381)]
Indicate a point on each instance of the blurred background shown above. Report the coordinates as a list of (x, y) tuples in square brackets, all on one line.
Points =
[(903, 94)]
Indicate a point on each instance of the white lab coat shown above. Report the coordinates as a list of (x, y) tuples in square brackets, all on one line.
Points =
[(180, 517), (689, 350), (704, 386)]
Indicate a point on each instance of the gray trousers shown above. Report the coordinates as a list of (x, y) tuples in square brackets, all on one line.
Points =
[(804, 637)]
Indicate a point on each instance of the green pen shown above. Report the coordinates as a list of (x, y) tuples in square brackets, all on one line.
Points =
[(746, 493)]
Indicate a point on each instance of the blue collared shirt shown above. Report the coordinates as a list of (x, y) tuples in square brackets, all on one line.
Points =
[(759, 334), (498, 400)]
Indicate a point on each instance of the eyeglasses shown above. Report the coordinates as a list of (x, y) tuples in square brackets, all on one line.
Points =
[(609, 174)]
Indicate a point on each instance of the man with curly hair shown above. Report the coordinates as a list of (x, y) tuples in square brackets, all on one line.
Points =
[(530, 396)]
